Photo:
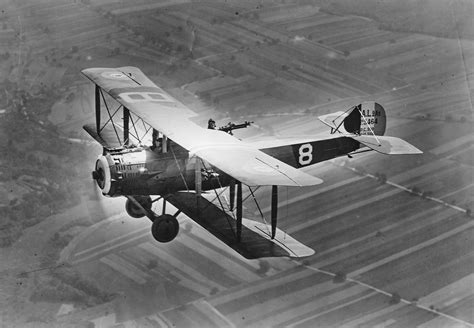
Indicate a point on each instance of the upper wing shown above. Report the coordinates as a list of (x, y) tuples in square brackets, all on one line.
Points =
[(130, 87)]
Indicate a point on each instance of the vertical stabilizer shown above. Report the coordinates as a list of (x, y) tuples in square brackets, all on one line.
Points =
[(367, 118)]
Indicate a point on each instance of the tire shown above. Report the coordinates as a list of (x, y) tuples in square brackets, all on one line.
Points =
[(165, 228), (134, 211)]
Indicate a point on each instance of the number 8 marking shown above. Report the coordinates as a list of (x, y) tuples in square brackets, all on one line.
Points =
[(306, 154)]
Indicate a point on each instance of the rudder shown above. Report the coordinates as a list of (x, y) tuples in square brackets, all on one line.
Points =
[(366, 119)]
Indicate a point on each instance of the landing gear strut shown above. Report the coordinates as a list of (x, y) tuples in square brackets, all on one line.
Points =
[(164, 227)]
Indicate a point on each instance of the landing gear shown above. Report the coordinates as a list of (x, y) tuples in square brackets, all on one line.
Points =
[(165, 228), (134, 210)]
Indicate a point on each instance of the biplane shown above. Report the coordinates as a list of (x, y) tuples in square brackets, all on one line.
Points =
[(151, 147)]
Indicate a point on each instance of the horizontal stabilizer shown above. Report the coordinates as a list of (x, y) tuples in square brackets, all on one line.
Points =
[(387, 145), (333, 120)]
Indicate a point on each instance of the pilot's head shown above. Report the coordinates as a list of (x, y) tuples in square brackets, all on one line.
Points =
[(211, 124)]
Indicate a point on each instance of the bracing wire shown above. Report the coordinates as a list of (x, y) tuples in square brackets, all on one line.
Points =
[(220, 185), (286, 214), (110, 116), (220, 202), (334, 120), (368, 125), (179, 168), (259, 210)]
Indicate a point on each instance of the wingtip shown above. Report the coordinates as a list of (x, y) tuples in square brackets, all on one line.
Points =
[(314, 181), (412, 150)]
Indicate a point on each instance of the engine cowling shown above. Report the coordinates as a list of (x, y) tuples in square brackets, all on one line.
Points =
[(102, 174), (116, 173), (141, 172)]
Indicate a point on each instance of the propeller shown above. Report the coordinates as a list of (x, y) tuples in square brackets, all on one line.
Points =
[(95, 205), (96, 193)]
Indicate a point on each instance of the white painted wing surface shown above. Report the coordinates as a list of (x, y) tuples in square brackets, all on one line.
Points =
[(387, 145), (255, 168), (130, 87)]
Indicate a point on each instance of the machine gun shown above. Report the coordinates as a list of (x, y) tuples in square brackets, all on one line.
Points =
[(232, 126)]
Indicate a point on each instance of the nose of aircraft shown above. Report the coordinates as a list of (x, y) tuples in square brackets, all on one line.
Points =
[(101, 174)]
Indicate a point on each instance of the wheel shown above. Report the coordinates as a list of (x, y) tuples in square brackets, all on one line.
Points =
[(165, 228), (136, 212)]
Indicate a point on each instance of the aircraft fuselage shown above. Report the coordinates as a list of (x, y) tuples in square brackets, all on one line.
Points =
[(143, 171)]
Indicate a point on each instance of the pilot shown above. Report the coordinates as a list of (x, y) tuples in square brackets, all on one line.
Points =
[(154, 138), (211, 124), (159, 145), (157, 142)]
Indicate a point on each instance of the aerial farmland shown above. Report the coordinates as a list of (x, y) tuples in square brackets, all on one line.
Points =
[(393, 235)]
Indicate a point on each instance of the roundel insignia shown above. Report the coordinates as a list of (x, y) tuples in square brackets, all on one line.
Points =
[(114, 75)]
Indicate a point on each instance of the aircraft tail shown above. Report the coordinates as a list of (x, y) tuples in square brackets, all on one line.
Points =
[(366, 123), (367, 118)]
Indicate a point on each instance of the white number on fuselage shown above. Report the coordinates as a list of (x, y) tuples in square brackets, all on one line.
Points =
[(306, 154)]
